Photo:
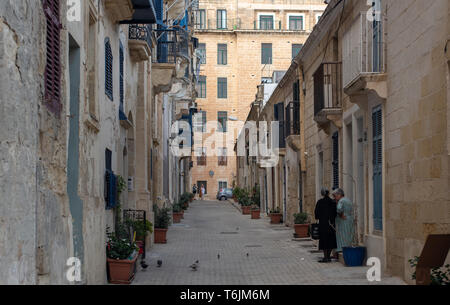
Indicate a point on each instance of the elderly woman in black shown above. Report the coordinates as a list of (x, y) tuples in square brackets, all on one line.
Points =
[(325, 212)]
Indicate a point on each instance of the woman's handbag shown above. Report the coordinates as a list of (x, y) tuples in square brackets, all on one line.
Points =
[(315, 231)]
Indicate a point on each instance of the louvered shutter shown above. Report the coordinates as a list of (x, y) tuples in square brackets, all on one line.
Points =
[(121, 70), (335, 162), (377, 160), (108, 70), (53, 65), (158, 10), (282, 143)]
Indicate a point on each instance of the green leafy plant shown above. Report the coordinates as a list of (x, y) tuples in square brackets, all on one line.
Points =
[(300, 218), (177, 208), (162, 217), (256, 196), (140, 227), (244, 198), (439, 276), (119, 246), (275, 210)]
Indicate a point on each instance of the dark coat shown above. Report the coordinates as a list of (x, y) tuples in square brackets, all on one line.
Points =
[(325, 212)]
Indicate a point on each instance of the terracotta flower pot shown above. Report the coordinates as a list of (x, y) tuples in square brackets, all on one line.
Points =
[(301, 230), (121, 271), (275, 218), (256, 214), (177, 217), (246, 210), (160, 236)]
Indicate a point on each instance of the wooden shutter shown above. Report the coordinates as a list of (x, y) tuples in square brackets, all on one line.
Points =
[(121, 68), (53, 65), (335, 162), (108, 70), (377, 160)]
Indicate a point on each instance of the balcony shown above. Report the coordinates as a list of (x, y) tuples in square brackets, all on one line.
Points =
[(132, 11), (293, 125), (164, 63), (328, 94), (140, 42), (222, 160), (201, 160), (364, 59)]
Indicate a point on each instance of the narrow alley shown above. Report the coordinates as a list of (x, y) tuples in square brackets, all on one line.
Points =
[(212, 228)]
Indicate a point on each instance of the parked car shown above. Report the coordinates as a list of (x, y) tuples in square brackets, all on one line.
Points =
[(224, 194)]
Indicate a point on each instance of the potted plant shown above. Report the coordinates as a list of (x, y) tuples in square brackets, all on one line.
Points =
[(184, 200), (236, 193), (177, 213), (191, 197), (255, 212), (275, 216), (162, 219), (301, 225), (256, 200), (245, 202), (121, 253), (141, 230)]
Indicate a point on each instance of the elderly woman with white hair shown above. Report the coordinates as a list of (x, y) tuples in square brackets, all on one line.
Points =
[(344, 220)]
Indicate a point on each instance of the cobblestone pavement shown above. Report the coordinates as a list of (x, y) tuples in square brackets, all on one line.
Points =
[(212, 228)]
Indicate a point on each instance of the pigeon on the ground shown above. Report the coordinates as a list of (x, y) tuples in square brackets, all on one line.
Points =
[(194, 267), (159, 262), (143, 264), (247, 254), (218, 256)]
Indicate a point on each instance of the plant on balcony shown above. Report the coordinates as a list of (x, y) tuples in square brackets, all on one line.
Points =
[(177, 212), (162, 219), (301, 225), (275, 215), (121, 253)]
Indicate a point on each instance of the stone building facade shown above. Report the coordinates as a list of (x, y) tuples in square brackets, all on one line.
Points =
[(374, 102), (243, 43), (87, 110)]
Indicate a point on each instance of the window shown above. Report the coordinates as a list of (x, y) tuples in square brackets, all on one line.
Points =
[(266, 53), (221, 54), (110, 189), (108, 70), (200, 19), (91, 62), (335, 163), (53, 66), (222, 121), (221, 19), (377, 161), (201, 86), (200, 121), (201, 52), (121, 62), (266, 22), (296, 49), (222, 185), (295, 22), (201, 156), (318, 17), (222, 87), (222, 157)]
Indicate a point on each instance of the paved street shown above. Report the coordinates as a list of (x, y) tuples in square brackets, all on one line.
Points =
[(210, 228)]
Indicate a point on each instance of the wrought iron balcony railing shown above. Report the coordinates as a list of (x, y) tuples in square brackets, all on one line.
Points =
[(140, 32), (327, 87), (363, 49), (293, 118), (166, 48)]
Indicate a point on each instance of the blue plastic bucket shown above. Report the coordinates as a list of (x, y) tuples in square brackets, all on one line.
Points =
[(354, 256)]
